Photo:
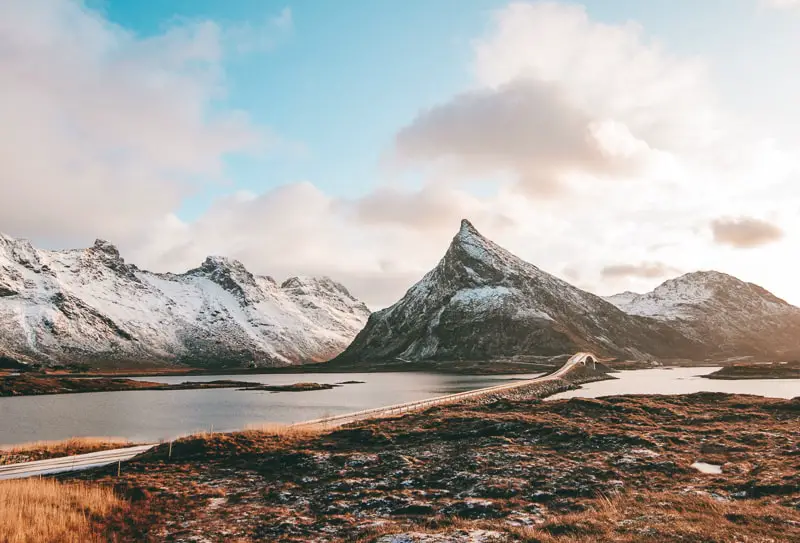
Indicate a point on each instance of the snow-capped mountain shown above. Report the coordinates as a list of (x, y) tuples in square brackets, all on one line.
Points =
[(481, 302), (88, 305), (729, 315)]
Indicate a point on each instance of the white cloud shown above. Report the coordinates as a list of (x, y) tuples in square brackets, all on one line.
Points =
[(105, 130), (558, 94), (525, 126)]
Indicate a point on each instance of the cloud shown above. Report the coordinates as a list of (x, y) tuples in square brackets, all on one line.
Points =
[(104, 130), (644, 270), (609, 71), (433, 207), (558, 95), (525, 126), (745, 232)]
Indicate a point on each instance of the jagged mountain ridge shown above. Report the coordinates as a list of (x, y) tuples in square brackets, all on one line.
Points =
[(730, 316), (89, 305), (482, 302)]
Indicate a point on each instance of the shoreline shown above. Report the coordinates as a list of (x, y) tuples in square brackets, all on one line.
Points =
[(445, 367), (24, 385)]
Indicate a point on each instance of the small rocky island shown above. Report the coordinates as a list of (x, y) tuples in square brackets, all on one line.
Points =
[(758, 370), (35, 385), (295, 387)]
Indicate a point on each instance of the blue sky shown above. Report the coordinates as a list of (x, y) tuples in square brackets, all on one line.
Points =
[(340, 83)]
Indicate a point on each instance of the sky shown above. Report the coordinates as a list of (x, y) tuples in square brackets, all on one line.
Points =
[(613, 143)]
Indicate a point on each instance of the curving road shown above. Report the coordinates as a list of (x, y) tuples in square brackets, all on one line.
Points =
[(104, 458), (71, 463)]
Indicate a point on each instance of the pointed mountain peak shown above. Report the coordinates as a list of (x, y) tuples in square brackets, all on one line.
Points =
[(468, 231), (106, 247), (468, 236), (214, 262)]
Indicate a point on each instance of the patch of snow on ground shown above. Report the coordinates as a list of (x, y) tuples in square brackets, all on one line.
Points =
[(710, 469)]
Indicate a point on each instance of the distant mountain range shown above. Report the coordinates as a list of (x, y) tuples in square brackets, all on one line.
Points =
[(480, 303), (89, 306)]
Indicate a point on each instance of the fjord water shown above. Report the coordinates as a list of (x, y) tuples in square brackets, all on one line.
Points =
[(152, 415), (681, 381)]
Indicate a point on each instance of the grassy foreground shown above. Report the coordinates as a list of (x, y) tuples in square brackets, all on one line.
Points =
[(45, 510), (584, 470)]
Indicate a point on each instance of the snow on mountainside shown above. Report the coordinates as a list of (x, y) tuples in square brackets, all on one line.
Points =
[(622, 299), (88, 305), (481, 302), (729, 315)]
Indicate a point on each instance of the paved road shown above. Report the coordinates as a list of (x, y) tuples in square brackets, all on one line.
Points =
[(103, 458), (71, 463)]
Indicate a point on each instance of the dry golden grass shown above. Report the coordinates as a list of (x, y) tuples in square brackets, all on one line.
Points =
[(39, 450), (38, 510), (284, 430)]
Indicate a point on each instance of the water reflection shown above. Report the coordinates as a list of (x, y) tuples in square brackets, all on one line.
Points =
[(149, 415)]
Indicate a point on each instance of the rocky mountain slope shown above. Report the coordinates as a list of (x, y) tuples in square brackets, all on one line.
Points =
[(481, 303), (730, 316), (90, 306)]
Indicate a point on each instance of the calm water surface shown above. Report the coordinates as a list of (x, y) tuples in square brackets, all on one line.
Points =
[(682, 381), (151, 415)]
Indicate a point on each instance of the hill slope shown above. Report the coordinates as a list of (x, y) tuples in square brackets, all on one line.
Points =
[(89, 306), (730, 316)]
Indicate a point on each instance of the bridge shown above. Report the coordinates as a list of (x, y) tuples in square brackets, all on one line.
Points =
[(104, 458), (579, 359)]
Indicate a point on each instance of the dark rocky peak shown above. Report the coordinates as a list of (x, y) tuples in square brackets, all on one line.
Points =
[(108, 254), (105, 247), (231, 275), (221, 264), (473, 259)]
